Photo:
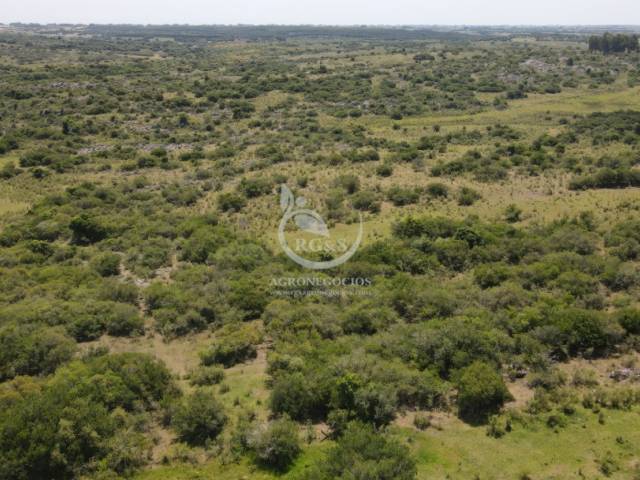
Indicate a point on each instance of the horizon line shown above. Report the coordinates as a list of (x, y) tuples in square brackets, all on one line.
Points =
[(346, 25)]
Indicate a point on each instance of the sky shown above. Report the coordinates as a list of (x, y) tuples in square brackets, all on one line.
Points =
[(326, 12)]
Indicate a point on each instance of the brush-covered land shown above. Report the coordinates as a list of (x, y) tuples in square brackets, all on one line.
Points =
[(146, 332)]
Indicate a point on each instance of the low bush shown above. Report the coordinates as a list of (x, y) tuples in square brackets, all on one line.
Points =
[(233, 344), (199, 418), (275, 444)]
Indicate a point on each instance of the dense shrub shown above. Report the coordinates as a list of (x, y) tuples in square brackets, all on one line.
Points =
[(233, 344), (361, 452), (366, 201), (230, 202), (72, 422), (275, 444), (206, 375), (107, 264), (255, 187), (7, 144), (350, 183), (437, 190), (481, 392), (587, 332), (298, 396), (384, 170), (30, 350), (468, 196), (123, 320), (87, 230), (629, 318), (401, 196), (199, 418), (607, 178), (203, 244), (181, 195)]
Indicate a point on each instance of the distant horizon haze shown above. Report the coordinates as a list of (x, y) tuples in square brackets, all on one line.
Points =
[(326, 13)]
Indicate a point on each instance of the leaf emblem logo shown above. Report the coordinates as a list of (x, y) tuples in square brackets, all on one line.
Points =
[(312, 222)]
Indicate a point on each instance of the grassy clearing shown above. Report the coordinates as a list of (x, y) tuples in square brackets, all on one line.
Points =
[(243, 470), (461, 451), (8, 206), (458, 451), (246, 385), (535, 114)]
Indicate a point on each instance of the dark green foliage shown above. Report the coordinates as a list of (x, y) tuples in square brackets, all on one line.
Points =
[(490, 275), (181, 195), (614, 43), (7, 144), (512, 214), (456, 343), (234, 344), (547, 379), (230, 202), (401, 196), (44, 158), (86, 230), (608, 127), (452, 253), (9, 170), (625, 240), (199, 418), (145, 378), (91, 321), (367, 320), (58, 429), (607, 178), (368, 155), (366, 201), (361, 452), (205, 376), (481, 392), (421, 422), (350, 183), (629, 319), (118, 291), (468, 196), (255, 187), (123, 320), (384, 170), (249, 296), (587, 332), (437, 190), (30, 350), (432, 228), (298, 396), (241, 108), (107, 265), (203, 243), (276, 444)]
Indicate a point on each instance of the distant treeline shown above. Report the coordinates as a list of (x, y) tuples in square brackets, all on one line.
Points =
[(274, 32), (617, 43)]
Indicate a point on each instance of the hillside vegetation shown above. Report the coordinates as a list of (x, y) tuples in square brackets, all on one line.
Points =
[(152, 327)]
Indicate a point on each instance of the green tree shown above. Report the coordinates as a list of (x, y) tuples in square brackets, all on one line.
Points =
[(107, 264), (276, 444), (199, 418), (86, 229), (481, 392), (364, 453)]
